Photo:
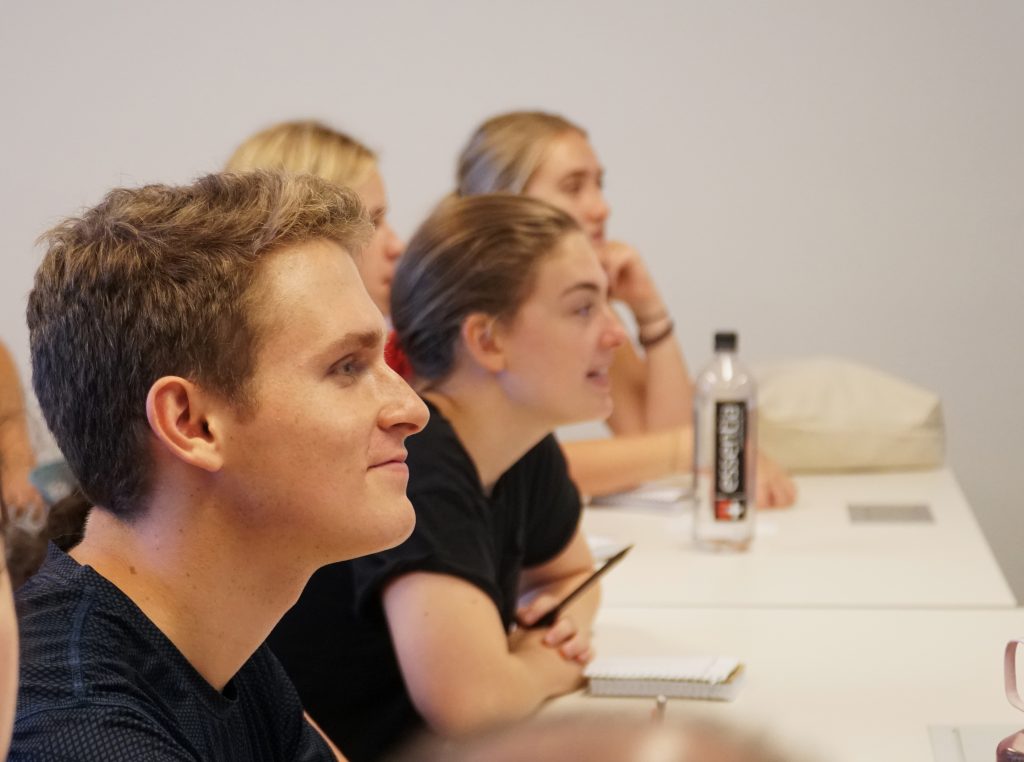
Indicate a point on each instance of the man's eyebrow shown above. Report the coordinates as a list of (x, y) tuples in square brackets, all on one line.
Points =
[(356, 340)]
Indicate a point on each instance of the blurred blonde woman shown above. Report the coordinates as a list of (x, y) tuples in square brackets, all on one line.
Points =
[(548, 157), (601, 736), (314, 148)]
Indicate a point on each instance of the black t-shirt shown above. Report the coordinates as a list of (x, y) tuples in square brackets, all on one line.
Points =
[(335, 642), (100, 682)]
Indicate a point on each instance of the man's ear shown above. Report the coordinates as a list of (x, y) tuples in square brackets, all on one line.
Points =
[(482, 338), (178, 412)]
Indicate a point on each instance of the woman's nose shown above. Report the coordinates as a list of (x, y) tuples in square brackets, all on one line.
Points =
[(395, 245), (614, 334), (598, 209)]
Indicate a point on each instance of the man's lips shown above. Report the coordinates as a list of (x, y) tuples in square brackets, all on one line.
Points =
[(396, 459)]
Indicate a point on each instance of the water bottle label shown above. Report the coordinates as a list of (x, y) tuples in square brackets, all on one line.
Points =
[(730, 461)]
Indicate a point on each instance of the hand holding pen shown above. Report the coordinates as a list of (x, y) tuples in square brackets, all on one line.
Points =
[(544, 611), (565, 636)]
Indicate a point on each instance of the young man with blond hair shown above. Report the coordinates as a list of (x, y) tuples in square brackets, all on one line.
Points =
[(212, 368)]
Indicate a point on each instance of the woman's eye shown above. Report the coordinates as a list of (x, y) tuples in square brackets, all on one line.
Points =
[(584, 310)]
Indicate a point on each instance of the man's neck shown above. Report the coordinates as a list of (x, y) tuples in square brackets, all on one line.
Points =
[(194, 580)]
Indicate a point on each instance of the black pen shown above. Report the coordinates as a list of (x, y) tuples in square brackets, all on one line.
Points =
[(549, 618)]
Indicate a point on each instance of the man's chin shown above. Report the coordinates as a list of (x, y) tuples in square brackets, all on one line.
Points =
[(389, 522), (408, 529), (401, 522)]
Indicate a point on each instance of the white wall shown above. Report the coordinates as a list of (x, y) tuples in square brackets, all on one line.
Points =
[(843, 177)]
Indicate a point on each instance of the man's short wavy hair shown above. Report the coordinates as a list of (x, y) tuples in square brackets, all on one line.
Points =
[(159, 281)]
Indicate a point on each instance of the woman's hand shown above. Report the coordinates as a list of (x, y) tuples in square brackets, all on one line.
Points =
[(775, 489), (630, 282), (564, 635), (23, 501)]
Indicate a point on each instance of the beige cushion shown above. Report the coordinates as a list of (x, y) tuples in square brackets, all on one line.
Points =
[(831, 414)]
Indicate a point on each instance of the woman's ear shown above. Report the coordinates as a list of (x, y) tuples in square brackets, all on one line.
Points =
[(178, 412), (482, 339)]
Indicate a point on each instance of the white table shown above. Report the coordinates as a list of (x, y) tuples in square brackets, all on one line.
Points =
[(847, 685), (813, 554)]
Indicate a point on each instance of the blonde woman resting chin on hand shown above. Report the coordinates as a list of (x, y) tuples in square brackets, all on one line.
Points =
[(548, 157), (500, 307)]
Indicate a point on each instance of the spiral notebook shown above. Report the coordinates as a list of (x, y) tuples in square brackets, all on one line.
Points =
[(696, 677)]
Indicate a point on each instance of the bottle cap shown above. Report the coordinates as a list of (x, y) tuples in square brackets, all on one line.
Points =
[(725, 341)]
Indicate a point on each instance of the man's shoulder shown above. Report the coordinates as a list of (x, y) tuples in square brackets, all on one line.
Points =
[(94, 730), (77, 629), (88, 676), (97, 674), (56, 582), (53, 598), (134, 700), (94, 670)]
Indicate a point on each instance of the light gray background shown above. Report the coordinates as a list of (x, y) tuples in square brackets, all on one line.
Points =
[(827, 177)]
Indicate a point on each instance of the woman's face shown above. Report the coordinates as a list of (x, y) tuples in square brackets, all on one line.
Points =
[(8, 653), (559, 345), (570, 177), (380, 257)]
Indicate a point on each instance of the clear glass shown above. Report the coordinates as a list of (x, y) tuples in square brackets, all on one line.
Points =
[(1011, 749), (721, 521)]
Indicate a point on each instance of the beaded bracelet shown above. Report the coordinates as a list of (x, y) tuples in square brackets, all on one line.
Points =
[(649, 341)]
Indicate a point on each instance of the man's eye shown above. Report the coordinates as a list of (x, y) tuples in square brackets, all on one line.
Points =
[(349, 366)]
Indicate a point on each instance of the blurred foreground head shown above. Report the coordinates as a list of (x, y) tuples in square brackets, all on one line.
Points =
[(602, 738)]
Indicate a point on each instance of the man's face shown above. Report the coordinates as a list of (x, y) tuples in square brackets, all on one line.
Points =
[(319, 465)]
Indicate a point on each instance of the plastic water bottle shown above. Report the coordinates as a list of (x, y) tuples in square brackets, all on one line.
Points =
[(725, 451)]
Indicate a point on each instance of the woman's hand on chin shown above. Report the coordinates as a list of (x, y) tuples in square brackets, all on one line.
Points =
[(630, 282)]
